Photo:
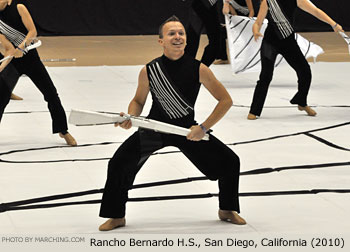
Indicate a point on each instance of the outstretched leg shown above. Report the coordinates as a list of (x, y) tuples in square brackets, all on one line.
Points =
[(268, 57), (122, 170), (5, 95), (32, 66), (216, 161), (8, 80), (295, 58)]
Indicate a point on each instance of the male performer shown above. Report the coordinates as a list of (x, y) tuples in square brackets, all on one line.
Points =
[(16, 28), (174, 81), (279, 38)]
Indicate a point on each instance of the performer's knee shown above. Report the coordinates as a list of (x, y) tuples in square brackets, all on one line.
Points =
[(305, 74), (214, 40), (52, 97), (264, 82), (236, 163), (232, 165), (115, 167), (265, 77)]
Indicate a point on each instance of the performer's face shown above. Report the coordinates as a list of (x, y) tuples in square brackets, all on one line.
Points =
[(174, 37)]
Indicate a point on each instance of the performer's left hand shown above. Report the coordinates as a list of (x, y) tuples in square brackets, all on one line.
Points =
[(196, 133), (126, 124), (18, 53), (257, 36)]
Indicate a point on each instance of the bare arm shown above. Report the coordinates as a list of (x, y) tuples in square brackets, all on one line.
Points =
[(250, 8), (139, 100), (8, 49), (226, 7), (29, 24), (309, 7), (232, 10), (219, 92), (260, 19)]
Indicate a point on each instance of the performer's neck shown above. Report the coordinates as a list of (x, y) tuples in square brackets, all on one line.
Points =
[(174, 55)]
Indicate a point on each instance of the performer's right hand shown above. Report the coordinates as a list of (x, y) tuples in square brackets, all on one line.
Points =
[(256, 31), (257, 35), (125, 125), (338, 28)]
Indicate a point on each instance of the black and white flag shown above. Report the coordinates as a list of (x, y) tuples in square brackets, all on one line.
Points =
[(244, 51)]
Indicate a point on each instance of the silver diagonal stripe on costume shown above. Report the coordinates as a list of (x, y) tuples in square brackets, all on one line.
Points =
[(156, 88), (281, 21), (11, 34), (170, 100), (212, 2)]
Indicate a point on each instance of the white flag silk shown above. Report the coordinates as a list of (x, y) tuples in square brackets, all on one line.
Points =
[(244, 51)]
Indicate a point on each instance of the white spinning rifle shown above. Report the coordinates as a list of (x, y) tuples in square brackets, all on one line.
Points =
[(89, 118), (30, 44)]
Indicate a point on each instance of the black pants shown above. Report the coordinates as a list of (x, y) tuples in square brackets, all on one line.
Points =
[(212, 158), (31, 65), (210, 20), (222, 52), (5, 95), (290, 50), (8, 80)]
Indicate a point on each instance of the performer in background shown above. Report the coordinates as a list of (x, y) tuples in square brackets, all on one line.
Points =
[(17, 27), (279, 38), (174, 80), (221, 56), (233, 7), (206, 12)]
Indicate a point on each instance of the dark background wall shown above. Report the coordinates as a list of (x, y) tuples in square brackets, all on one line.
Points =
[(135, 17)]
